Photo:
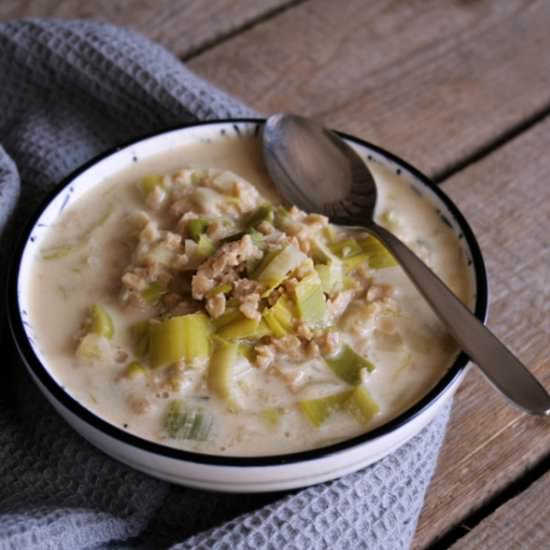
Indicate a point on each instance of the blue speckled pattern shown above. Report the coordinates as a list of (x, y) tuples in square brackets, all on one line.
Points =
[(71, 90)]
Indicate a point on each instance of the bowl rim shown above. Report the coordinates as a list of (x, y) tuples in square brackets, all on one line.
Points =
[(39, 370)]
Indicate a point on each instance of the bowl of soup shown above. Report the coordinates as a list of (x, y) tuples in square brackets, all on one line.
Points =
[(187, 322)]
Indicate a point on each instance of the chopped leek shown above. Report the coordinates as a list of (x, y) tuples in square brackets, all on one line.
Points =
[(183, 337), (104, 217), (263, 213), (322, 253), (224, 288), (231, 314), (232, 238), (187, 423), (352, 262), (60, 251), (256, 236), (205, 246), (90, 347), (57, 252), (331, 276), (329, 232), (389, 219), (207, 199), (257, 266), (148, 184), (280, 318), (318, 410), (153, 293), (310, 300), (219, 371), (262, 330), (271, 416), (237, 327), (100, 322), (196, 228), (379, 255), (361, 405), (348, 364), (135, 369), (277, 269), (140, 336), (346, 248)]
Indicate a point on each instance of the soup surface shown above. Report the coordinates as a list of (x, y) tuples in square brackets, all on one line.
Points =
[(183, 303)]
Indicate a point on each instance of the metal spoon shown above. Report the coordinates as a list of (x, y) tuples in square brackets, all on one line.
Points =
[(317, 171)]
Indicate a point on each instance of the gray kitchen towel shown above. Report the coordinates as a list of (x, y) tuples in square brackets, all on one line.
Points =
[(68, 91)]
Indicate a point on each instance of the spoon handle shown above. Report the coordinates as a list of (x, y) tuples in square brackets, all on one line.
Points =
[(500, 366)]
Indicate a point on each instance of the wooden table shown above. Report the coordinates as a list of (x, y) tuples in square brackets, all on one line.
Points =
[(462, 90)]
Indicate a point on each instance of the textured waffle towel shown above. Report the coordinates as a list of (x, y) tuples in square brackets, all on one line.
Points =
[(69, 91)]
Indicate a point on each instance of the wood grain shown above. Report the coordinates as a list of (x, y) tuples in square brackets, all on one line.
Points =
[(522, 522), (432, 80), (506, 198), (182, 26)]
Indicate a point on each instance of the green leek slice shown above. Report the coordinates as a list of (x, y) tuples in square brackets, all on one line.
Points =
[(57, 252), (140, 337), (219, 371), (361, 405), (153, 293), (263, 213), (60, 251), (183, 337), (348, 364), (135, 369), (329, 232), (89, 347), (331, 276), (322, 253), (187, 423), (389, 219), (100, 322), (231, 314), (196, 228), (318, 410), (379, 255), (148, 184), (271, 416), (205, 246), (224, 288), (239, 327), (277, 269), (310, 300), (280, 318), (355, 261), (257, 266), (346, 248)]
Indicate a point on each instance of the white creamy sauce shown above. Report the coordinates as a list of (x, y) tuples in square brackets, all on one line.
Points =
[(409, 358)]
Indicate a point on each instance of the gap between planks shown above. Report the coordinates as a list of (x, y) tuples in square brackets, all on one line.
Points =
[(251, 23), (520, 488)]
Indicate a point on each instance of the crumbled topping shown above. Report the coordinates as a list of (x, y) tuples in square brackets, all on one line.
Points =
[(224, 265)]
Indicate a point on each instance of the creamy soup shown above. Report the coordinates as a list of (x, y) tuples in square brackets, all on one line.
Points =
[(182, 302)]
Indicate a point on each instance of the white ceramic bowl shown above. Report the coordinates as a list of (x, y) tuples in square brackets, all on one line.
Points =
[(223, 473)]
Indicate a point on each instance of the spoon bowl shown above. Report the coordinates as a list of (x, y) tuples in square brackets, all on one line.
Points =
[(317, 171), (319, 158)]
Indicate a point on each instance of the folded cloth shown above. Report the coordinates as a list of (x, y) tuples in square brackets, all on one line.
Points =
[(70, 90)]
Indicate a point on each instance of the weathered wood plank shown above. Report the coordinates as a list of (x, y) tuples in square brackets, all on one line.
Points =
[(522, 522), (431, 80), (506, 198), (183, 27)]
